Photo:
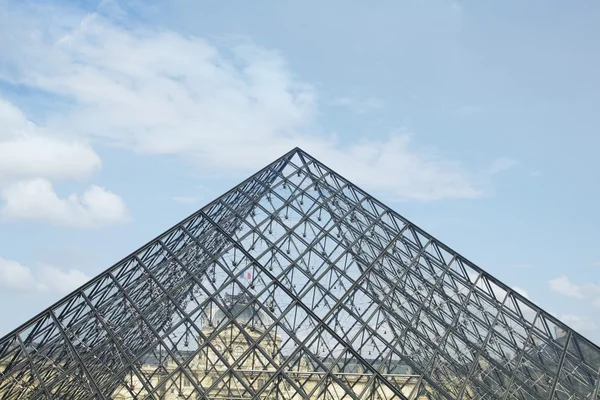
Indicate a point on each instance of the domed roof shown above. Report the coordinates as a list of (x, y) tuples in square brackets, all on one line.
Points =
[(246, 313)]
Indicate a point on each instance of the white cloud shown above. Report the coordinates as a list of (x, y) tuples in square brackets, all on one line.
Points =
[(45, 279), (502, 164), (36, 200), (43, 156), (31, 157), (61, 281), (579, 323), (395, 169), (229, 110), (564, 286), (16, 277), (26, 150)]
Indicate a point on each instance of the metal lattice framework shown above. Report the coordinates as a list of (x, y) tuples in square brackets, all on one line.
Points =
[(296, 284)]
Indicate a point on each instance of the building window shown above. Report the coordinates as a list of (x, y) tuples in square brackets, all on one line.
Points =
[(218, 350), (237, 353), (186, 382), (216, 354)]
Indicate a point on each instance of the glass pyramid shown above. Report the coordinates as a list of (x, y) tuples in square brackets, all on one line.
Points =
[(296, 284)]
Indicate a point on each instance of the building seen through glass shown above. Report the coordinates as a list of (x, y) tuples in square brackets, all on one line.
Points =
[(296, 284)]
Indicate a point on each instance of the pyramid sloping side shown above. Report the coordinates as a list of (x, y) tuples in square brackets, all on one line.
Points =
[(84, 345), (296, 284), (468, 334)]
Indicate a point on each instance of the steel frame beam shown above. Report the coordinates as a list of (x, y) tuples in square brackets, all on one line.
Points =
[(350, 289)]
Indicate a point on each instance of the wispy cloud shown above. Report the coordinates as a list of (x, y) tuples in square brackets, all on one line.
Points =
[(579, 323), (36, 200), (228, 109), (31, 157), (28, 150), (502, 164), (44, 279), (565, 287)]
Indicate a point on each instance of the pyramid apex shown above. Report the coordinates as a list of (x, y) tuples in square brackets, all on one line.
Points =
[(308, 287)]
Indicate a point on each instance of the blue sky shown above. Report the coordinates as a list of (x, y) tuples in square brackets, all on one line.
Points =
[(476, 120)]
